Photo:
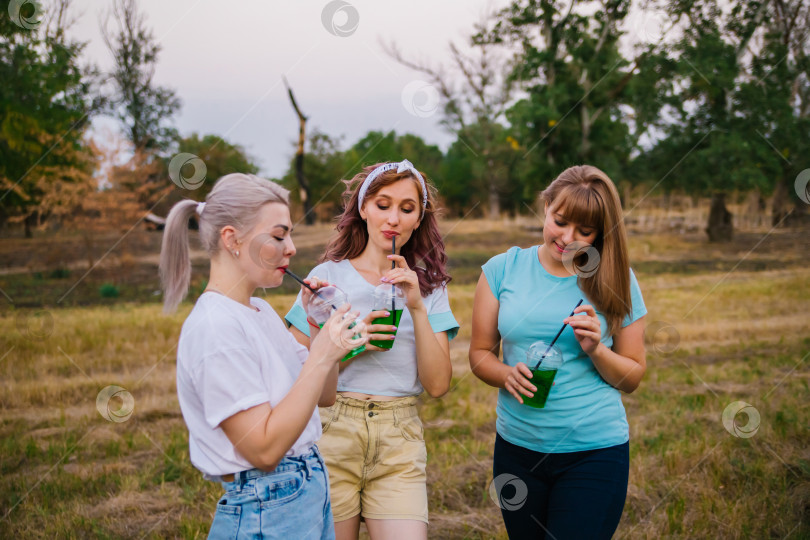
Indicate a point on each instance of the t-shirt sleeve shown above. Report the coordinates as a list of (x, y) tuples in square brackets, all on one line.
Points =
[(440, 316), (231, 381), (494, 270), (637, 302), (297, 316)]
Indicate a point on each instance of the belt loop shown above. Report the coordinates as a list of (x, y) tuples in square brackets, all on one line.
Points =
[(396, 416), (307, 466)]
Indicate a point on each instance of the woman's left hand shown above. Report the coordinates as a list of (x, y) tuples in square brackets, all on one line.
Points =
[(587, 328), (406, 279)]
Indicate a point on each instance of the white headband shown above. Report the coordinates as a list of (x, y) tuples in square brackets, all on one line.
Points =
[(402, 166), (200, 207)]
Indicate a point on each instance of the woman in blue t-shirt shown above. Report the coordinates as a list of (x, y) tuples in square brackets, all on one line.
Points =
[(562, 470)]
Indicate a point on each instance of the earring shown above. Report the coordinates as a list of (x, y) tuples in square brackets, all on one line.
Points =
[(236, 253)]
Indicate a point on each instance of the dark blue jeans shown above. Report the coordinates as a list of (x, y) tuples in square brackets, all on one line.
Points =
[(560, 496)]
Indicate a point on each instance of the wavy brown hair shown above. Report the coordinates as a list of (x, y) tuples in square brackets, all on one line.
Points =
[(584, 194), (424, 250)]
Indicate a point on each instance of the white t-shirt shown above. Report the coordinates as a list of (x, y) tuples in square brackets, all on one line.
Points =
[(231, 358), (388, 373)]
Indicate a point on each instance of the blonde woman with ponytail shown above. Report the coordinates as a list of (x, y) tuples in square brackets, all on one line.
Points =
[(248, 391), (568, 461)]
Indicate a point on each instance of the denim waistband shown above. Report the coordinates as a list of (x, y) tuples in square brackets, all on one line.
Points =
[(287, 463)]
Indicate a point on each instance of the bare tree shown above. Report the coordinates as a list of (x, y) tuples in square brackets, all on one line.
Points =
[(304, 190), (475, 93), (143, 108)]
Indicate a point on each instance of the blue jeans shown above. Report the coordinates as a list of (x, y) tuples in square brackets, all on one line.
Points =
[(288, 503), (560, 496)]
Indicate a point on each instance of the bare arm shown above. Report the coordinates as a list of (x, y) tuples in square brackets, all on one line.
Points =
[(329, 394), (622, 366), (263, 434), (485, 346), (432, 354), (432, 349)]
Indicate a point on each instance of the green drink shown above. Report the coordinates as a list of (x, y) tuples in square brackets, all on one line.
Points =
[(321, 306), (542, 379), (543, 360), (388, 298), (352, 353), (393, 319)]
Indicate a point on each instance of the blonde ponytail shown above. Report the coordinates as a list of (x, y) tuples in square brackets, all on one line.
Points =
[(235, 200)]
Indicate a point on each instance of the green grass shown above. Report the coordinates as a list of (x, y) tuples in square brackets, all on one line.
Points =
[(67, 472)]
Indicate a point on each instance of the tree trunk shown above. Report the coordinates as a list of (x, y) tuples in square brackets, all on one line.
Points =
[(494, 198), (303, 185), (585, 148), (304, 191), (779, 206), (30, 221), (720, 228)]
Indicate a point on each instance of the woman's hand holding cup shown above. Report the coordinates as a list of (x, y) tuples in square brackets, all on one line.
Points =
[(342, 332), (518, 382), (373, 328)]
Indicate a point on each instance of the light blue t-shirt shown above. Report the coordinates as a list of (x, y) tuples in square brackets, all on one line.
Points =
[(388, 373), (583, 411)]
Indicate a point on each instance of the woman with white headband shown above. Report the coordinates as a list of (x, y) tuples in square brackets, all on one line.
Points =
[(373, 441)]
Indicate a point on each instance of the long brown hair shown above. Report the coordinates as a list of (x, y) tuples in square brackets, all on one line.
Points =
[(584, 194), (424, 250)]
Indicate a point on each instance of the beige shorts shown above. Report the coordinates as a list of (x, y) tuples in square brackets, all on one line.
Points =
[(376, 456)]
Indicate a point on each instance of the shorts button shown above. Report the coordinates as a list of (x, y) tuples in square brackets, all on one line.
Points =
[(370, 414), (370, 405)]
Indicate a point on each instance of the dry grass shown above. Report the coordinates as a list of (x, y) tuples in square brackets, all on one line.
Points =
[(742, 335)]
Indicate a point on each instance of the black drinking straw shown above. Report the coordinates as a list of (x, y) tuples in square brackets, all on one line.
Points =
[(301, 281), (553, 341), (393, 265)]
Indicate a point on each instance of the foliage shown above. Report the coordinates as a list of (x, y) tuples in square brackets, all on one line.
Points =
[(325, 164), (144, 109), (45, 166), (220, 158)]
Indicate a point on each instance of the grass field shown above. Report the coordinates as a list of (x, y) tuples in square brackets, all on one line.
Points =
[(726, 324)]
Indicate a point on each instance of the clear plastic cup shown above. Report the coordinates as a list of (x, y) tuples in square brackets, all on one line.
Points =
[(550, 359), (392, 299), (321, 306)]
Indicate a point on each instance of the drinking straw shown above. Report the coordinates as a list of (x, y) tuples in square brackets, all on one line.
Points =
[(393, 265), (553, 341), (301, 281)]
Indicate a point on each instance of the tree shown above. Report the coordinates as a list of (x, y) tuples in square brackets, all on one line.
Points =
[(304, 192), (144, 174), (45, 166), (576, 84), (474, 98), (144, 109), (378, 147), (327, 165), (324, 164), (220, 158), (738, 106)]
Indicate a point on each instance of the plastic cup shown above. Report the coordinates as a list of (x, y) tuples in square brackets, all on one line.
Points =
[(392, 299), (542, 375), (322, 305)]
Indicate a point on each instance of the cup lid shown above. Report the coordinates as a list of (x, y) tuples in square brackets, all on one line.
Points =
[(321, 305), (546, 354), (385, 294)]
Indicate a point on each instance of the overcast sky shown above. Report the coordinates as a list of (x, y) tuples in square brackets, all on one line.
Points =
[(226, 61)]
